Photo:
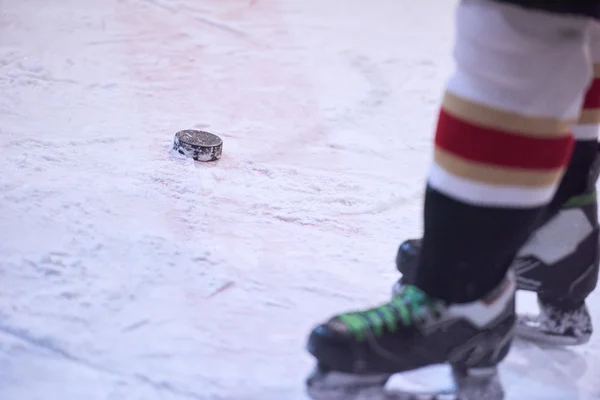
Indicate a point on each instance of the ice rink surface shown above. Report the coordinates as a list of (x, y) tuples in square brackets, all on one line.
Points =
[(129, 272)]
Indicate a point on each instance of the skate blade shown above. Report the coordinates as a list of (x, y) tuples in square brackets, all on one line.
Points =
[(531, 334), (332, 385), (441, 382), (430, 383)]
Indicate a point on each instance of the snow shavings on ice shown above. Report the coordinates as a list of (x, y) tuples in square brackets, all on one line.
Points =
[(128, 271)]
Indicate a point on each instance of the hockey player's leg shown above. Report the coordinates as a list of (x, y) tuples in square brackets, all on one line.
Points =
[(502, 145), (560, 261)]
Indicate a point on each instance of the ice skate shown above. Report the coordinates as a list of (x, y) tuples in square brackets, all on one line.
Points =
[(557, 325), (358, 352), (568, 243)]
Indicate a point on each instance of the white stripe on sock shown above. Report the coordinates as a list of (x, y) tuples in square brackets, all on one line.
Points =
[(585, 131), (482, 194)]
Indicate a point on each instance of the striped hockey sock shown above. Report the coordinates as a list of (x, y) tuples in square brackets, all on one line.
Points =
[(502, 144)]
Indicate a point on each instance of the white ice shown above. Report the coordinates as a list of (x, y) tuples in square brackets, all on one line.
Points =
[(128, 272)]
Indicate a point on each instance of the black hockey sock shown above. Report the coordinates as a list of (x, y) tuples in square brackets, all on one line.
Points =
[(467, 249)]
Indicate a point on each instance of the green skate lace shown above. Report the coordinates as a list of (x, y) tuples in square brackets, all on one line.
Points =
[(409, 306), (581, 200)]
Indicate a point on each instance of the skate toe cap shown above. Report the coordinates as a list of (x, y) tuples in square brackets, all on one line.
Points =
[(407, 257), (330, 345)]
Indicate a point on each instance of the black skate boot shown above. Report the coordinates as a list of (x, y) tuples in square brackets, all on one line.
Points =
[(358, 352), (559, 262)]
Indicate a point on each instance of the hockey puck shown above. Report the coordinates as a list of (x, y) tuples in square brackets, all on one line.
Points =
[(199, 145)]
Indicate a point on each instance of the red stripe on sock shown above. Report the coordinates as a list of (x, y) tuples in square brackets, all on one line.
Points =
[(592, 96), (491, 146)]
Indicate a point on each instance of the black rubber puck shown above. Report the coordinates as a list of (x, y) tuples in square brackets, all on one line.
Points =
[(199, 145)]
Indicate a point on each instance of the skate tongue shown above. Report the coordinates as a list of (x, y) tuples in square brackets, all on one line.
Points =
[(432, 380)]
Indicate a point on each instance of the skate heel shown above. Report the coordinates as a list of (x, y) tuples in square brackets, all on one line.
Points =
[(475, 373), (476, 377), (477, 383), (490, 346)]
